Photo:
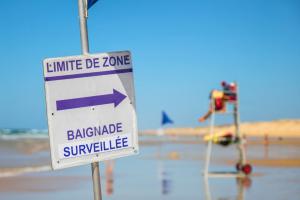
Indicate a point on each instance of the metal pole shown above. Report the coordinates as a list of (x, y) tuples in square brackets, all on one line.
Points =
[(206, 188), (96, 181), (211, 133), (85, 51), (83, 27), (239, 135)]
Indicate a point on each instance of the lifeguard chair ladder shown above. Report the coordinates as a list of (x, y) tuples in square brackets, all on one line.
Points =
[(243, 169)]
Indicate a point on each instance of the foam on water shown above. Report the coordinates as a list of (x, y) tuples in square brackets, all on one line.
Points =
[(15, 134), (9, 172), (21, 148)]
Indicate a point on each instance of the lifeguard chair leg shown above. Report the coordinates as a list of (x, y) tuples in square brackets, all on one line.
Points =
[(242, 162), (207, 189), (240, 138), (209, 146)]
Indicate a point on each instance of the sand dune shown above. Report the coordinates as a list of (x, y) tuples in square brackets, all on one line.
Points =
[(279, 128)]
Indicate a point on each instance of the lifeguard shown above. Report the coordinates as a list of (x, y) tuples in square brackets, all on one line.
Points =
[(220, 98)]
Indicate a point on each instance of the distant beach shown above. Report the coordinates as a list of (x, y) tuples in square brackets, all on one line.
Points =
[(289, 128)]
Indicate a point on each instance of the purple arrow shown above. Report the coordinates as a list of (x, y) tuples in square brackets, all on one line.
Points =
[(116, 98)]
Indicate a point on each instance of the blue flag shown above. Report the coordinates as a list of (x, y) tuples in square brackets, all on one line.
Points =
[(90, 3), (165, 119)]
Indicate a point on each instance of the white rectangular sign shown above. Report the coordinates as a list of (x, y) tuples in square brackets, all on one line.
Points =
[(90, 108)]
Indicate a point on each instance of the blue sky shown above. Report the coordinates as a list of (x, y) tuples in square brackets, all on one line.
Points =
[(181, 50)]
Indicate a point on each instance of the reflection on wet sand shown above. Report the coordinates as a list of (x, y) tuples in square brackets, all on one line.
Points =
[(266, 147), (242, 183), (164, 178), (163, 175), (109, 174)]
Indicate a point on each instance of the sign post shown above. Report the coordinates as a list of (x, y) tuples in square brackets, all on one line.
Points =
[(82, 9), (90, 107), (85, 50)]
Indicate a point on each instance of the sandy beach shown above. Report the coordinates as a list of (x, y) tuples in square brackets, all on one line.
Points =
[(289, 128)]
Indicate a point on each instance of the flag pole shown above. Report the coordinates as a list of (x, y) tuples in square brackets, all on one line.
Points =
[(82, 9)]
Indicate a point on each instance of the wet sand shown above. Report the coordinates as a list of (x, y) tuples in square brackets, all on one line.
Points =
[(167, 168), (41, 183), (284, 163)]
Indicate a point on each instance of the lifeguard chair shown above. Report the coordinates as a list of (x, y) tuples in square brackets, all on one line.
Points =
[(218, 101)]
